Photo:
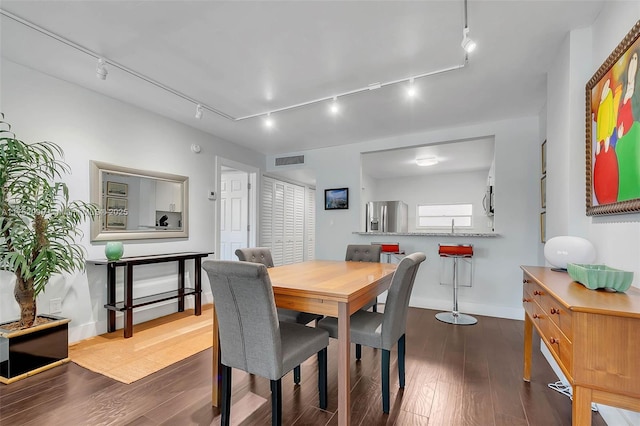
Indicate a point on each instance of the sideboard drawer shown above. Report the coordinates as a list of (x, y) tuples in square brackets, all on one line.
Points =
[(560, 316), (559, 344)]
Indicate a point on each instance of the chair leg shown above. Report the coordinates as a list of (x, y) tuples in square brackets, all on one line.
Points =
[(322, 377), (276, 402), (358, 351), (386, 355), (225, 409), (296, 375), (374, 308), (401, 352)]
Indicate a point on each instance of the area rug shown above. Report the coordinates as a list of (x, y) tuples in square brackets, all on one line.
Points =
[(154, 345)]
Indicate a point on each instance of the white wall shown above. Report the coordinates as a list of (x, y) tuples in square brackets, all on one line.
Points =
[(90, 126), (497, 287), (616, 238), (441, 188)]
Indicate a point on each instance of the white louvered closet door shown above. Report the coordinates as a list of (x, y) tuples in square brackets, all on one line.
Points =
[(311, 224)]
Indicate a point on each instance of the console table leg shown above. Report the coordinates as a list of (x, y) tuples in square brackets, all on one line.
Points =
[(181, 285), (111, 297), (197, 277), (128, 302), (528, 337), (581, 407)]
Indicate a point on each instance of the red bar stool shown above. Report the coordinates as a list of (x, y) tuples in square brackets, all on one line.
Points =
[(456, 252)]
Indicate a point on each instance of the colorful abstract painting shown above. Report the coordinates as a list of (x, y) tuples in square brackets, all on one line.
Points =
[(613, 131)]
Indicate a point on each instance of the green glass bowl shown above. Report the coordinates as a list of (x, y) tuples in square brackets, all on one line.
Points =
[(600, 276)]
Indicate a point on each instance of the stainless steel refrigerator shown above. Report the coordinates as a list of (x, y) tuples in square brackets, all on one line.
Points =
[(386, 216)]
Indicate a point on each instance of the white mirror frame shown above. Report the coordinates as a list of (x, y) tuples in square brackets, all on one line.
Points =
[(98, 234)]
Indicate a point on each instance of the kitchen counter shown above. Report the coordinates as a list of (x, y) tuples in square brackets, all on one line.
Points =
[(431, 234)]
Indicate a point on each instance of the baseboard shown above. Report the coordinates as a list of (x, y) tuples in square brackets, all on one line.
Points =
[(469, 308), (611, 415)]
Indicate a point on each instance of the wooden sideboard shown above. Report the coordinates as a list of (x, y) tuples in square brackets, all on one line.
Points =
[(594, 336)]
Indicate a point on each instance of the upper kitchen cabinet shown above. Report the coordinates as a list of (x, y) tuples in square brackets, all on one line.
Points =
[(168, 196)]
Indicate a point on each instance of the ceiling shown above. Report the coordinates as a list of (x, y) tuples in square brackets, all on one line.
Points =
[(245, 58)]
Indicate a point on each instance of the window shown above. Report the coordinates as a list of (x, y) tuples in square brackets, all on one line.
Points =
[(443, 215)]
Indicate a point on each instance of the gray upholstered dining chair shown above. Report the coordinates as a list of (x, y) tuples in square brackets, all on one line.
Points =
[(364, 253), (383, 330), (251, 337), (263, 255)]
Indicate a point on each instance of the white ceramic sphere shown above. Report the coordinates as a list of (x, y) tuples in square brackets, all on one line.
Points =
[(566, 249)]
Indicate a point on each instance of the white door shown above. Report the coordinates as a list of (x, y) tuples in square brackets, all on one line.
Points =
[(234, 212)]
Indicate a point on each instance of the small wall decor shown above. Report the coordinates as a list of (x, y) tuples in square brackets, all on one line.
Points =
[(543, 192), (613, 131), (335, 199), (117, 189), (543, 162), (543, 227)]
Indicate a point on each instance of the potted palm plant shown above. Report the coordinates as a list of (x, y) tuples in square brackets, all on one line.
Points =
[(38, 231)]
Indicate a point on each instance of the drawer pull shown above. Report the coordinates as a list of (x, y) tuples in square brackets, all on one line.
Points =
[(536, 316), (553, 341), (555, 311), (537, 293), (525, 281), (525, 300)]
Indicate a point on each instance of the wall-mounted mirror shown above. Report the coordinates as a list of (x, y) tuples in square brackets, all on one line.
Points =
[(138, 204)]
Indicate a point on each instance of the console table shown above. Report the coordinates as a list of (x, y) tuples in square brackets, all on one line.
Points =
[(594, 335), (129, 302)]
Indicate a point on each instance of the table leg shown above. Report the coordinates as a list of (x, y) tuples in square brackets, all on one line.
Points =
[(111, 297), (344, 355), (128, 302), (581, 407), (181, 285), (216, 391), (197, 277), (528, 337)]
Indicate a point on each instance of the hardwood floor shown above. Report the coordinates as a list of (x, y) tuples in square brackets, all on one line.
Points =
[(455, 375)]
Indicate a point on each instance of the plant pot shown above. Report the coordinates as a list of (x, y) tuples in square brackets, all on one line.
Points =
[(24, 353)]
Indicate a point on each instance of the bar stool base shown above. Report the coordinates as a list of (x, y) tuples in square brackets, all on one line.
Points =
[(456, 319)]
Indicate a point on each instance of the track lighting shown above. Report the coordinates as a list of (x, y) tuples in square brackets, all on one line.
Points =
[(467, 44), (335, 107), (198, 111), (268, 121), (101, 69)]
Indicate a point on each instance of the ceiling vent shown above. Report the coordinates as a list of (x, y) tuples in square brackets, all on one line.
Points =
[(287, 161)]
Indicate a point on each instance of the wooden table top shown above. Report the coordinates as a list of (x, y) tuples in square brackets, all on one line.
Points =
[(329, 280)]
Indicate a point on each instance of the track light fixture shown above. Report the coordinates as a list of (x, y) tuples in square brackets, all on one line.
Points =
[(101, 69), (268, 121), (198, 111), (411, 89), (335, 107), (467, 44)]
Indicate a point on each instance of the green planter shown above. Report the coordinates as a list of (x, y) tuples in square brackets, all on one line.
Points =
[(26, 352)]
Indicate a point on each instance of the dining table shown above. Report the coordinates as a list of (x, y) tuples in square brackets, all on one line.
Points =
[(325, 287)]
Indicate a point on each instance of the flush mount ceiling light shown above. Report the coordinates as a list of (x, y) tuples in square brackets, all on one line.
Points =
[(101, 69), (426, 161), (101, 72)]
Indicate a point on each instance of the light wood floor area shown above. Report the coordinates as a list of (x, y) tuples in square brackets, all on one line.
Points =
[(456, 375)]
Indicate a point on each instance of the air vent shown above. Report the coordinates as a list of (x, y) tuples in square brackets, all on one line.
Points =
[(286, 161)]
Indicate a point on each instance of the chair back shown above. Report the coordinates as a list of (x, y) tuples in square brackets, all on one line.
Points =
[(395, 310), (363, 253), (256, 255), (247, 319)]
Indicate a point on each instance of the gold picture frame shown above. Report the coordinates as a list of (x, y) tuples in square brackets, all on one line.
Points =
[(613, 131), (543, 192), (543, 227), (543, 159)]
